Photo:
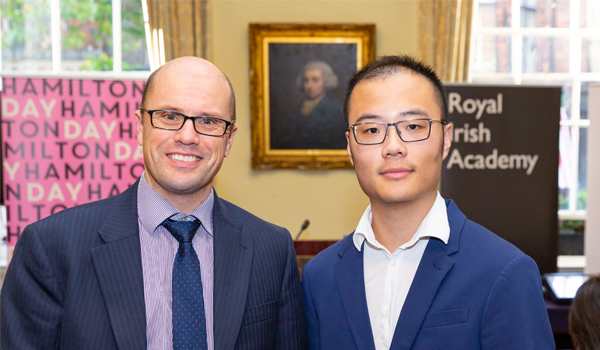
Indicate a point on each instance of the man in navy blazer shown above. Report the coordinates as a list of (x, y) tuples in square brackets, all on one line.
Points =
[(416, 273), (97, 276)]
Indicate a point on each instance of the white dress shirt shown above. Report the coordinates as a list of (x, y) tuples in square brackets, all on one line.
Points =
[(388, 276)]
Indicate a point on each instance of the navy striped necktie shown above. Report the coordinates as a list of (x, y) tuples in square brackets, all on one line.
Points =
[(189, 322)]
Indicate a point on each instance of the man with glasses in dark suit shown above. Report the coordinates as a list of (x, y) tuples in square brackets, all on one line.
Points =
[(167, 264)]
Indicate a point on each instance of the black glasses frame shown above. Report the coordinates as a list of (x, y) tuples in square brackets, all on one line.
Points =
[(353, 127), (185, 119)]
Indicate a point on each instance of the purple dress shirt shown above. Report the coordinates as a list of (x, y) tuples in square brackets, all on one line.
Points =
[(158, 254)]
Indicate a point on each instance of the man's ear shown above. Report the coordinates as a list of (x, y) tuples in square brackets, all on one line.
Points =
[(348, 148), (139, 127), (447, 140), (234, 128)]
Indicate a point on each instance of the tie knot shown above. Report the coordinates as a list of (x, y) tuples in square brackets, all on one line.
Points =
[(183, 231)]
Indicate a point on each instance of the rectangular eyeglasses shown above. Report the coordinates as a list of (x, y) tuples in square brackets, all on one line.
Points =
[(410, 130), (169, 120)]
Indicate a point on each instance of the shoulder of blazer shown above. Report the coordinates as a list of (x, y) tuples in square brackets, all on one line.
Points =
[(324, 261), (468, 235), (85, 218)]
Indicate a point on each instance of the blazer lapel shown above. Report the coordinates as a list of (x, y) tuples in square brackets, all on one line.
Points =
[(350, 277), (435, 265), (232, 266), (118, 266)]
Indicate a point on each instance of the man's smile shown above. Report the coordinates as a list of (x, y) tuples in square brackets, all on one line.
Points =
[(183, 158)]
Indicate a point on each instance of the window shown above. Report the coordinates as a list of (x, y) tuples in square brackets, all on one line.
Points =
[(59, 36), (554, 42)]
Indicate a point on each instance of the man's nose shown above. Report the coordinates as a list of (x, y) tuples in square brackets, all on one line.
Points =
[(187, 134), (393, 144)]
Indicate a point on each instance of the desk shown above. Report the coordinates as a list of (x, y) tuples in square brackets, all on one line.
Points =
[(559, 320)]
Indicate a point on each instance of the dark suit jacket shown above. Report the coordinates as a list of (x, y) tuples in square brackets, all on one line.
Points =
[(323, 128), (476, 292), (75, 282)]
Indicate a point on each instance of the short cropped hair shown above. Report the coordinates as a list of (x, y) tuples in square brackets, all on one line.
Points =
[(150, 86), (584, 317), (389, 65), (330, 79)]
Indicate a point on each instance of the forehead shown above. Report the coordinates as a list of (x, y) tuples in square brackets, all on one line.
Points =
[(393, 94), (313, 73), (191, 91)]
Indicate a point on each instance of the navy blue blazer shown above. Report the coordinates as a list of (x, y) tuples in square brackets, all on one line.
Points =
[(75, 282), (476, 292)]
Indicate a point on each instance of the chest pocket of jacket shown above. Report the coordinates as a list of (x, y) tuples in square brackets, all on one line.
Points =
[(259, 313), (446, 318)]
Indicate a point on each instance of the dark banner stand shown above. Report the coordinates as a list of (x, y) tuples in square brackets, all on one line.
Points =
[(502, 169)]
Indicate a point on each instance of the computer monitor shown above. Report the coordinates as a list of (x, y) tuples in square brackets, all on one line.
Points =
[(561, 287)]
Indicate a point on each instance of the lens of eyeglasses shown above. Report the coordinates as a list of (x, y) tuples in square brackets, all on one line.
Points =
[(414, 130), (174, 121), (370, 133), (210, 126)]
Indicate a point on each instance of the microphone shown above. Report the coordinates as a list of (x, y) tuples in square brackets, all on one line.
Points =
[(302, 228)]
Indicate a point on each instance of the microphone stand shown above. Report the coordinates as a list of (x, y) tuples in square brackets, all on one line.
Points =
[(302, 228)]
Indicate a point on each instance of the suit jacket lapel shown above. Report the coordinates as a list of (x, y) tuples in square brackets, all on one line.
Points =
[(232, 266), (118, 266), (350, 277), (434, 266)]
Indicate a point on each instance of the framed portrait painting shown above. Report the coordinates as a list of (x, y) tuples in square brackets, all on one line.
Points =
[(299, 74)]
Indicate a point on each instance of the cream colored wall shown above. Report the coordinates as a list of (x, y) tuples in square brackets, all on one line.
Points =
[(331, 199)]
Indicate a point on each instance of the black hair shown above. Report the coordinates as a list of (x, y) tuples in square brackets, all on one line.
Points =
[(390, 65)]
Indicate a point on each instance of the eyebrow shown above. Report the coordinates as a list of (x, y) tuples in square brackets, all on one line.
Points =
[(408, 113)]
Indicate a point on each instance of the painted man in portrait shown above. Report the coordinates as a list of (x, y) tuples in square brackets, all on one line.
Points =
[(317, 122)]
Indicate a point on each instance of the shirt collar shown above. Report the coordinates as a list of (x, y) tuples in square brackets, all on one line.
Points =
[(154, 209), (434, 225)]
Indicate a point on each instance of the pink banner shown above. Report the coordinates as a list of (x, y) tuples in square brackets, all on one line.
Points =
[(65, 142)]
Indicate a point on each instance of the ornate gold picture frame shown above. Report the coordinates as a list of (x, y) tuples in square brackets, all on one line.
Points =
[(299, 74)]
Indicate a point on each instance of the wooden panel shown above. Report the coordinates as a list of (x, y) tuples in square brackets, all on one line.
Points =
[(311, 247), (306, 250)]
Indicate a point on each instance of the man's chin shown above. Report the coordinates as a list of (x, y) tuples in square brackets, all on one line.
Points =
[(397, 197), (181, 188), (186, 189)]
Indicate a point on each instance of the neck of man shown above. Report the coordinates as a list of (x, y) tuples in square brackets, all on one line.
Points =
[(185, 203), (395, 224)]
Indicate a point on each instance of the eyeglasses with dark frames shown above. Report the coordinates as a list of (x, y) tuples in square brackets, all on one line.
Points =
[(411, 130), (169, 120)]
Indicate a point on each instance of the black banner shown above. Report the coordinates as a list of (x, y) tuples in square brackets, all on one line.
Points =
[(502, 169)]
